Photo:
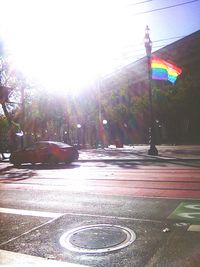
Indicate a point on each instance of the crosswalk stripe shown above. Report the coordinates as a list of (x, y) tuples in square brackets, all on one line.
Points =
[(31, 213), (13, 259)]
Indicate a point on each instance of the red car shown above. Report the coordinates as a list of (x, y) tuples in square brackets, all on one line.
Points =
[(45, 152)]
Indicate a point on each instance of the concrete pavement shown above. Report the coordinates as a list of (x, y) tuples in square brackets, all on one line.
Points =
[(167, 229), (161, 241), (140, 152)]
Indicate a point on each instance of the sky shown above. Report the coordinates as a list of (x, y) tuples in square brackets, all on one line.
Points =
[(67, 44)]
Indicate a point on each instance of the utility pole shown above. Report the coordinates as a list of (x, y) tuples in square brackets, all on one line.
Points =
[(99, 115), (22, 116), (152, 138)]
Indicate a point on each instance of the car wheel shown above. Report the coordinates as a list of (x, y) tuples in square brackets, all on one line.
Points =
[(68, 161), (52, 160), (16, 164), (73, 157)]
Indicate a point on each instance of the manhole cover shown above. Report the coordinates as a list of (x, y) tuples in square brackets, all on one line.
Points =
[(97, 238)]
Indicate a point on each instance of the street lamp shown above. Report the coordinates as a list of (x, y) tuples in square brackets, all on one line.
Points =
[(152, 139), (103, 134), (78, 134), (105, 122)]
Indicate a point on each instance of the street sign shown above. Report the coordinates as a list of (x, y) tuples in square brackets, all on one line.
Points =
[(187, 211)]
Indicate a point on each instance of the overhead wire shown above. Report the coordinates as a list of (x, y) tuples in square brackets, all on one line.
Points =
[(138, 56), (163, 8), (134, 54), (132, 58), (156, 41), (138, 3), (159, 40)]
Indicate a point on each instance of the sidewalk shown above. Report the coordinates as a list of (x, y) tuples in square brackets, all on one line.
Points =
[(140, 152)]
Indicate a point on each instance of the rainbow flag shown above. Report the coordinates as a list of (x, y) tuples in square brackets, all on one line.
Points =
[(163, 70)]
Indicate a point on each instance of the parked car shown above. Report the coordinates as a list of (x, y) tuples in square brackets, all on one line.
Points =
[(45, 152)]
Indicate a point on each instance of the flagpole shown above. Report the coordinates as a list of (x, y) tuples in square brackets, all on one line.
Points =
[(152, 138)]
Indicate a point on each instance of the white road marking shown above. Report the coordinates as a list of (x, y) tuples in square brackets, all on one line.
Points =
[(55, 214), (192, 206), (189, 215), (111, 217), (31, 213), (13, 259), (194, 228)]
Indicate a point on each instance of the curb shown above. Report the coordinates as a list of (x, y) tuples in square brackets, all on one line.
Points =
[(139, 159), (148, 159)]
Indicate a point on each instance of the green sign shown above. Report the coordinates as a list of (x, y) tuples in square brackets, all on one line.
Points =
[(186, 211)]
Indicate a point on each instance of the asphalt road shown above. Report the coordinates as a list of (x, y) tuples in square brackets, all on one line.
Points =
[(127, 178), (158, 201)]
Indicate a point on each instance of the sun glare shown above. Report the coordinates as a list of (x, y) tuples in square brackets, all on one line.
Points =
[(64, 44)]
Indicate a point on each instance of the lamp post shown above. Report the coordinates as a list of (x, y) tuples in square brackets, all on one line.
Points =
[(104, 139), (100, 126), (79, 134), (152, 139), (22, 115)]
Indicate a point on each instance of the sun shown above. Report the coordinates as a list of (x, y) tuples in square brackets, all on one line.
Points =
[(65, 45)]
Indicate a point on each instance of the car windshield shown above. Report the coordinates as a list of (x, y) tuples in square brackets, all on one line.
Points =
[(32, 147), (46, 143)]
